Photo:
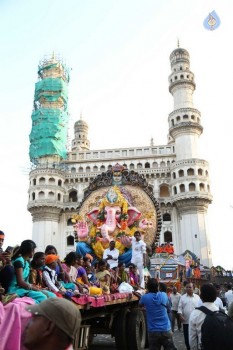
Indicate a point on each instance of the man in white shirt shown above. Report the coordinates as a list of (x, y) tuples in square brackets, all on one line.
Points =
[(218, 302), (111, 255), (188, 302), (197, 317), (139, 255), (229, 295), (175, 298)]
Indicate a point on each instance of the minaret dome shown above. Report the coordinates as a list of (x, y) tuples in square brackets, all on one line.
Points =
[(80, 141)]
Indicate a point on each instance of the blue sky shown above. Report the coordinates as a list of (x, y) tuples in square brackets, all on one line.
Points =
[(118, 52)]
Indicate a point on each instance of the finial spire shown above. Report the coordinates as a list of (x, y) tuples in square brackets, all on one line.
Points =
[(178, 42), (81, 115)]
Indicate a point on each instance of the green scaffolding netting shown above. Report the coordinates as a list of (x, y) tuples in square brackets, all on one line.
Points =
[(49, 86), (49, 133), (47, 147), (49, 125)]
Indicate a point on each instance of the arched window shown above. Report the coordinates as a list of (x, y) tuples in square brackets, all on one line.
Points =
[(190, 172), (34, 182), (33, 196), (51, 181), (192, 187), (41, 181), (69, 222), (168, 163), (200, 172), (185, 117), (139, 166), (155, 165), (174, 175), (88, 169), (206, 173), (41, 195), (59, 197), (147, 165), (59, 182), (166, 217), (162, 164), (80, 169), (109, 167), (182, 188), (73, 170), (181, 173), (102, 168), (125, 166), (95, 168), (73, 196), (131, 166), (164, 191), (70, 240), (174, 190), (202, 187), (167, 236), (51, 195)]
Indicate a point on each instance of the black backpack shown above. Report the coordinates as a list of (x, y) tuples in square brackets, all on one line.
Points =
[(216, 330)]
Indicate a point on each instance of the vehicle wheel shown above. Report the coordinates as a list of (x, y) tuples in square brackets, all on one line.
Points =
[(120, 331), (136, 329)]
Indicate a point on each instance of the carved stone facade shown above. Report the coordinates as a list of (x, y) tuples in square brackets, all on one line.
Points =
[(173, 173)]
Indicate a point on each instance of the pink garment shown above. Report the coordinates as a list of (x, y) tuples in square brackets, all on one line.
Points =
[(13, 320)]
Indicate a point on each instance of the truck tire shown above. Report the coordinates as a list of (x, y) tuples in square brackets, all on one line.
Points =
[(120, 330), (136, 330)]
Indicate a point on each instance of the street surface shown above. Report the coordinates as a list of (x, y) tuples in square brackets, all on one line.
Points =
[(106, 342)]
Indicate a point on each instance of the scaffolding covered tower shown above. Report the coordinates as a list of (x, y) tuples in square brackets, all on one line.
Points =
[(48, 137)]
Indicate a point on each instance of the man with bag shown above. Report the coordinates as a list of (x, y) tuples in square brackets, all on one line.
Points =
[(209, 328)]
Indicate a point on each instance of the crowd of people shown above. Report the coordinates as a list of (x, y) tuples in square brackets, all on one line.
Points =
[(49, 281), (167, 248), (43, 275), (167, 309)]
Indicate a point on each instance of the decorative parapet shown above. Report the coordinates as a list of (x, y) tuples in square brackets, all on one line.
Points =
[(44, 213), (192, 202), (184, 128), (186, 110)]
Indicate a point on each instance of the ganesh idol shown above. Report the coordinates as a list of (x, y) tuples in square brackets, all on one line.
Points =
[(113, 219)]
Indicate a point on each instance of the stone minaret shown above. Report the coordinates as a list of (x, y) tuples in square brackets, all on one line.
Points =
[(48, 141), (80, 141), (189, 174)]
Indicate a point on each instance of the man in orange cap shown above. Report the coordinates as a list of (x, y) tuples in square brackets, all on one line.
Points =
[(51, 281), (50, 276)]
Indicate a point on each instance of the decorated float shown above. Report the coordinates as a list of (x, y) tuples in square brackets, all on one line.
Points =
[(115, 205)]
